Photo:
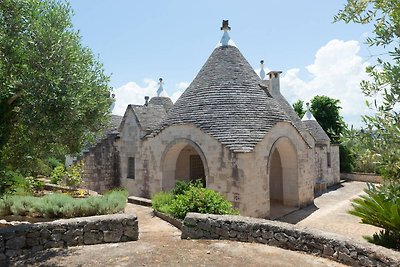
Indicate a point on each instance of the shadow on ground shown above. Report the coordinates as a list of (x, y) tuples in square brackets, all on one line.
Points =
[(299, 215), (39, 258)]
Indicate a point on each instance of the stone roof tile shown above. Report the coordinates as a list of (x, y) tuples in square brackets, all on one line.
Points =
[(226, 101)]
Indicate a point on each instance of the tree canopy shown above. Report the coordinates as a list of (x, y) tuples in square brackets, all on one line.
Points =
[(384, 74), (326, 112), (54, 94), (298, 106)]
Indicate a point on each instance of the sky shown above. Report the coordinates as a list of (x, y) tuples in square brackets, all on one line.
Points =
[(140, 41)]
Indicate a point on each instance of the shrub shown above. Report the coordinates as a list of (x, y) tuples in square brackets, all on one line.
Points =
[(12, 182), (181, 187), (63, 206), (201, 200), (191, 197), (53, 162), (57, 175), (74, 174), (162, 201), (381, 207)]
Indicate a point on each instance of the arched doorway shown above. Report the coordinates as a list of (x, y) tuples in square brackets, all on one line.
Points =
[(283, 178), (183, 160)]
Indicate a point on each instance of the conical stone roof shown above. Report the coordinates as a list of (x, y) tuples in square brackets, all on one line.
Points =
[(226, 101)]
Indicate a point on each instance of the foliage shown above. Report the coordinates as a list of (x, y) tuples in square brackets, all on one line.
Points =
[(298, 106), (58, 174), (201, 200), (70, 177), (362, 145), (162, 201), (191, 197), (381, 207), (326, 112), (74, 174), (347, 158), (181, 187), (385, 77), (12, 182), (63, 206), (53, 162), (53, 91)]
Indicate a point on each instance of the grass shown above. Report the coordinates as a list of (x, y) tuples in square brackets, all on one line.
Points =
[(63, 206)]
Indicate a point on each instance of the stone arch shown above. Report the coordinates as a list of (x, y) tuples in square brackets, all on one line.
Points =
[(283, 177), (177, 160)]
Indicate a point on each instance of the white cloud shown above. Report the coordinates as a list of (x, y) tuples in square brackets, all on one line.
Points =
[(133, 93), (336, 72)]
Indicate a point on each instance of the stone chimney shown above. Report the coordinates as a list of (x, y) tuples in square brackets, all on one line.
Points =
[(274, 85), (146, 99)]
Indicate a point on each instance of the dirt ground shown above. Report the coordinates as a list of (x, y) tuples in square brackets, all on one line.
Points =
[(330, 213), (160, 244)]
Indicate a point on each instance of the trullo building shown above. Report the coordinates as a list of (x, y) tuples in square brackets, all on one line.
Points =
[(230, 128)]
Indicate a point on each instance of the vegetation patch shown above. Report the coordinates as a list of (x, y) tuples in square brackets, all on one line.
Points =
[(63, 206), (191, 197), (381, 208)]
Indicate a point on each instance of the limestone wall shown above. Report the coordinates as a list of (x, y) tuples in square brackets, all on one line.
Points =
[(101, 164), (301, 166), (362, 177), (132, 145), (328, 164), (27, 238), (245, 229)]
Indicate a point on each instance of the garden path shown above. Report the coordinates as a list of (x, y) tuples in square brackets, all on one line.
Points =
[(160, 245)]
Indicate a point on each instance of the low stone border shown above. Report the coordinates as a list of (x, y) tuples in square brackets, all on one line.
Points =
[(318, 243), (140, 201), (168, 218), (25, 238), (361, 177)]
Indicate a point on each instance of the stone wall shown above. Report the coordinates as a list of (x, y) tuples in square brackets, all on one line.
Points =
[(362, 177), (101, 169), (25, 238), (287, 236)]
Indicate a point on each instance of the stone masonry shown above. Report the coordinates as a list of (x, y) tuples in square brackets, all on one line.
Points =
[(26, 238), (287, 236)]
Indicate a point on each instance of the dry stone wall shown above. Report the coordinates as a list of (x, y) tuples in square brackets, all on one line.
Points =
[(246, 229), (25, 238)]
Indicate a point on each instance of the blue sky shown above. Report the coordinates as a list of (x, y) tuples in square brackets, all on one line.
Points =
[(140, 41)]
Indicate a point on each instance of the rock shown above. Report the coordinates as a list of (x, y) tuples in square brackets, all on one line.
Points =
[(92, 237), (16, 242), (328, 250), (346, 259), (112, 236)]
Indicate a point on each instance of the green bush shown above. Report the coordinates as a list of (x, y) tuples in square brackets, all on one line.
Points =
[(181, 187), (53, 162), (12, 182), (191, 197), (162, 201), (63, 206), (381, 207), (201, 200), (57, 175), (74, 174)]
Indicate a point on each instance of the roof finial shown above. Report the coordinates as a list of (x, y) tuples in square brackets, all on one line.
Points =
[(160, 86), (113, 102), (262, 72), (308, 116), (225, 27)]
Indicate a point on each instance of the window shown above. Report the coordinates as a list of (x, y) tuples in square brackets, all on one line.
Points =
[(328, 159), (131, 168)]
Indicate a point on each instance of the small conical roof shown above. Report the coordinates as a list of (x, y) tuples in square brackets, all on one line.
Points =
[(315, 128), (226, 101)]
